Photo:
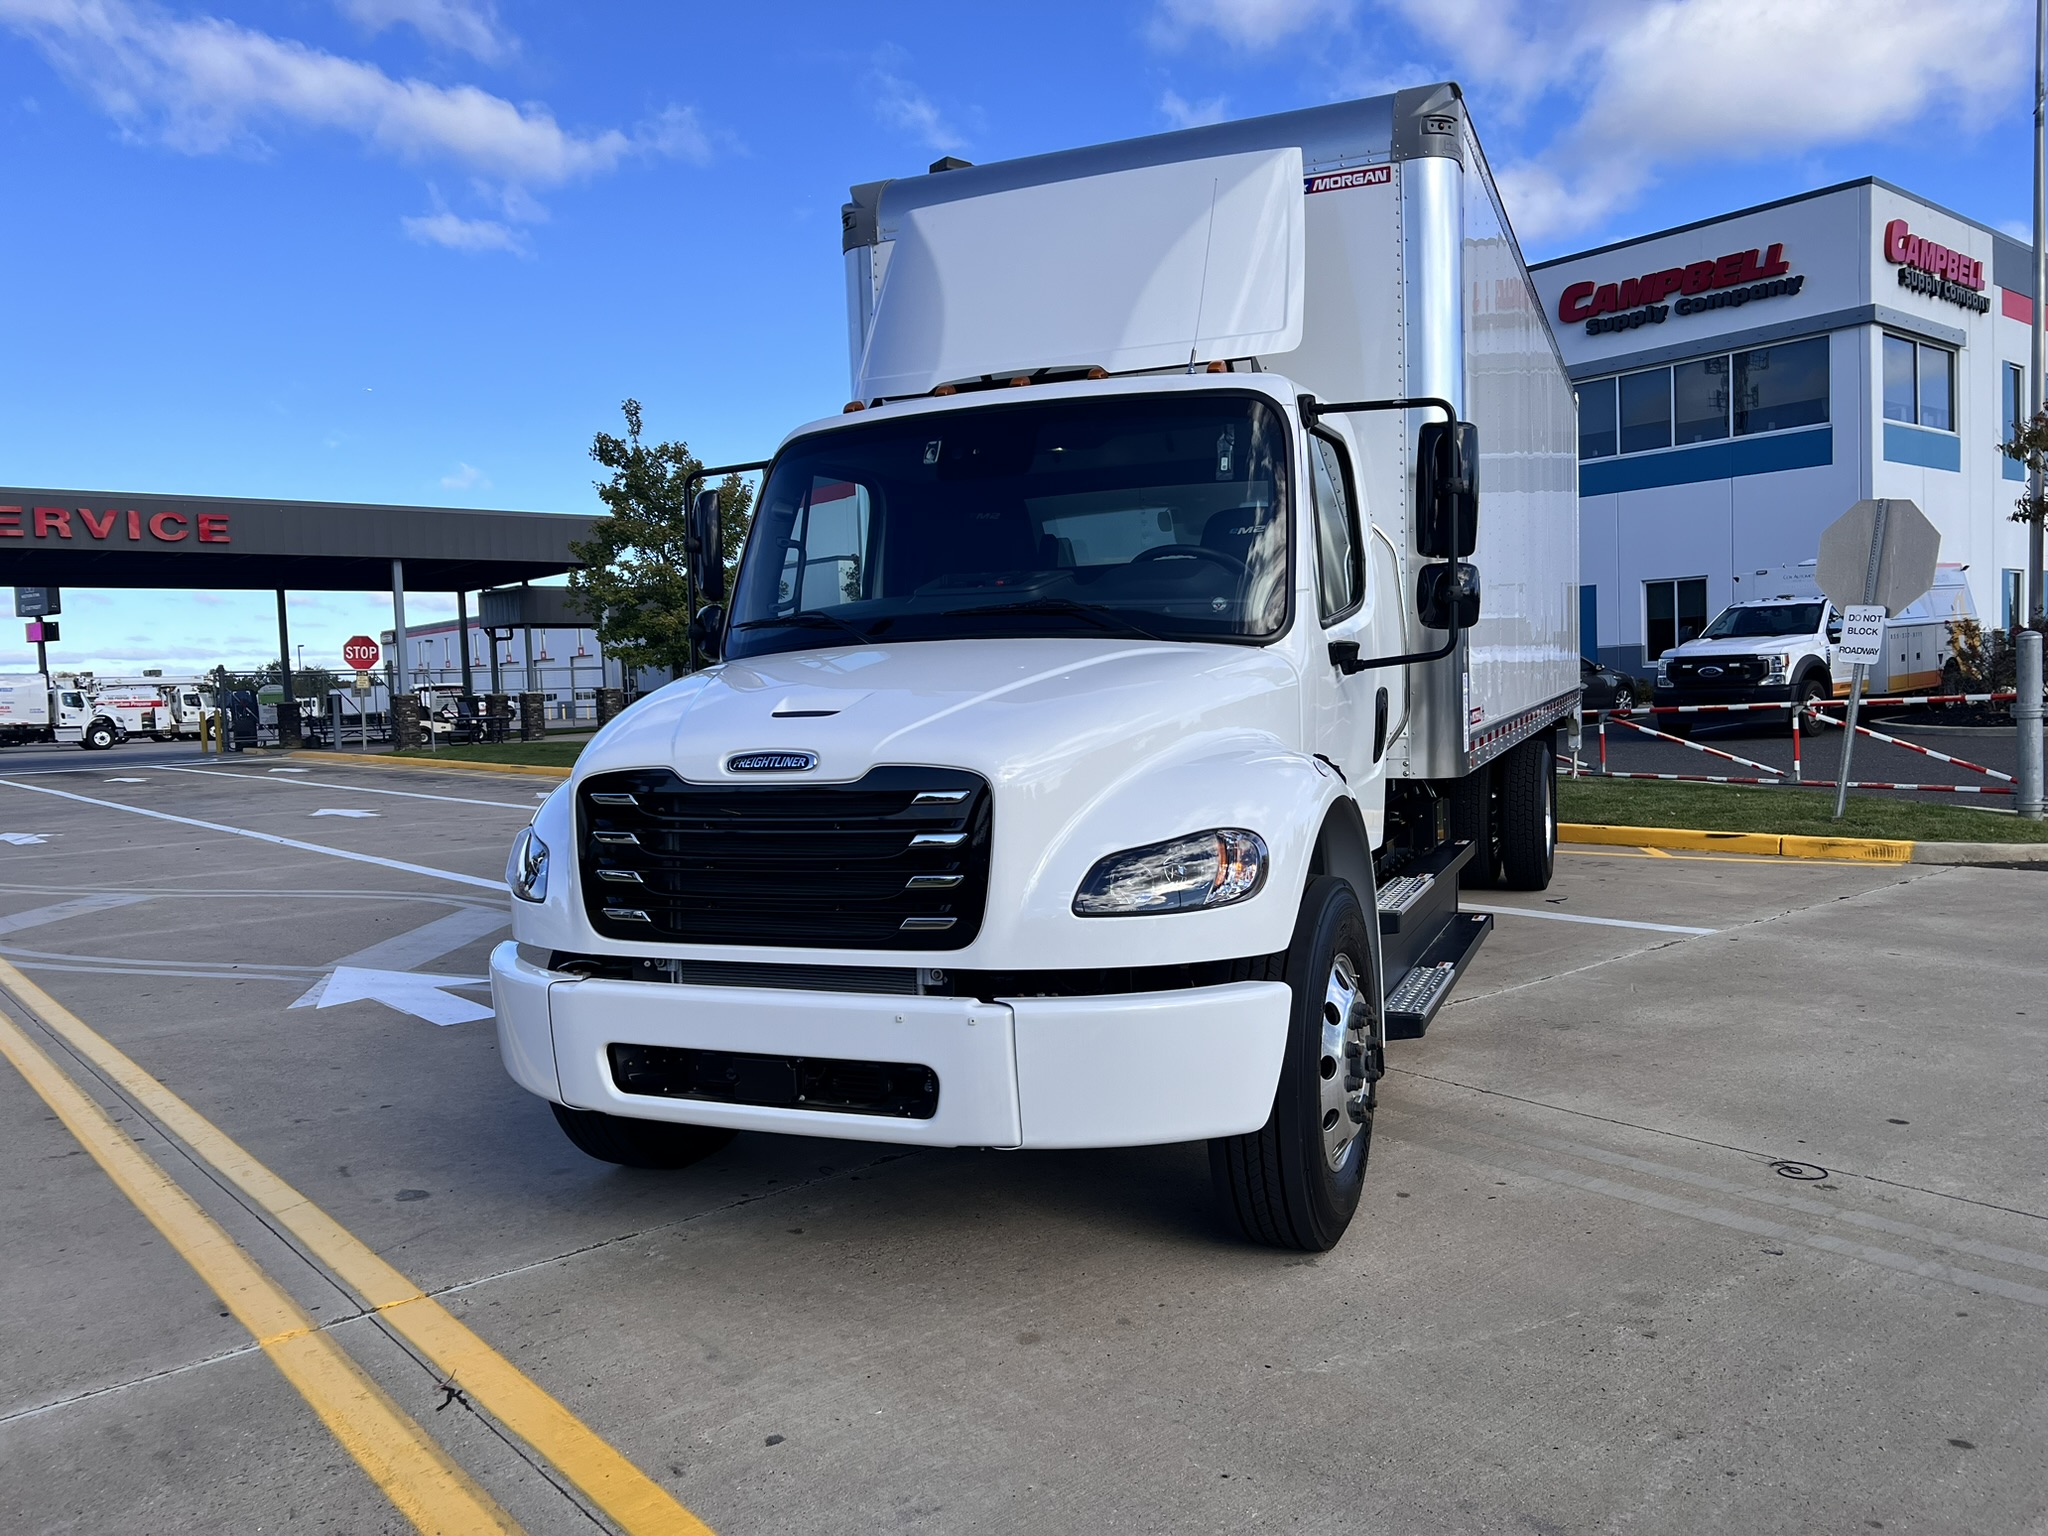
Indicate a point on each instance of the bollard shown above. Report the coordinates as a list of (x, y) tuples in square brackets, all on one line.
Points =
[(408, 730), (533, 721), (497, 716), (610, 703), (2026, 719)]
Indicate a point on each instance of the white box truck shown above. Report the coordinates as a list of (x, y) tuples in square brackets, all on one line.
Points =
[(1104, 712), (31, 710)]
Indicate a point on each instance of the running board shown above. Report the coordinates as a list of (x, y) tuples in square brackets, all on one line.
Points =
[(1413, 1001)]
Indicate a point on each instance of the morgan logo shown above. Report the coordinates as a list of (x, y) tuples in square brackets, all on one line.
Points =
[(771, 762), (1339, 181)]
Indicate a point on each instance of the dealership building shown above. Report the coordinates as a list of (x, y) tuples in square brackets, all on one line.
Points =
[(1744, 380)]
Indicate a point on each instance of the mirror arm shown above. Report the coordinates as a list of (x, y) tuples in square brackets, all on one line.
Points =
[(1351, 662), (702, 473), (1313, 410)]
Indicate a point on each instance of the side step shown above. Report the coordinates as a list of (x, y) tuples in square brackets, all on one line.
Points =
[(1414, 1000)]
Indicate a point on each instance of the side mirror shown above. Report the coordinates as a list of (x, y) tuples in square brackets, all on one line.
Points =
[(1447, 490), (707, 631), (704, 543), (1447, 596)]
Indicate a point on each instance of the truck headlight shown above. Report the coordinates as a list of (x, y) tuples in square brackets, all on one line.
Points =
[(526, 871), (1778, 664), (1203, 869), (1663, 673)]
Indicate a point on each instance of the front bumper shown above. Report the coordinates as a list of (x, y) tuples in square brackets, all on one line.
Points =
[(1755, 693), (1127, 1070)]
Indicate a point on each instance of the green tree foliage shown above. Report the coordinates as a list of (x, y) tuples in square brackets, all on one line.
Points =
[(2029, 445), (634, 581)]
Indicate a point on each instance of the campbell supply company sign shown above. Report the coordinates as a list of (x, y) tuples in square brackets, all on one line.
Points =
[(1740, 277), (1928, 267)]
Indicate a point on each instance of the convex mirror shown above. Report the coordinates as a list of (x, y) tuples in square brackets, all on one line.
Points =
[(704, 543), (1447, 490), (1447, 596)]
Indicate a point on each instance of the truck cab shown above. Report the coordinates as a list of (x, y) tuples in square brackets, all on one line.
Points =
[(1766, 650), (1103, 715)]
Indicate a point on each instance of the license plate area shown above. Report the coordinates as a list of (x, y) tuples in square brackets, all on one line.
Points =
[(902, 1090)]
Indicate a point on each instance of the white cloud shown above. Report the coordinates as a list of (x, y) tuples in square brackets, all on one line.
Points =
[(468, 25), (1254, 25), (2020, 229), (1192, 114), (203, 85), (460, 234), (902, 105), (467, 477), (1673, 82)]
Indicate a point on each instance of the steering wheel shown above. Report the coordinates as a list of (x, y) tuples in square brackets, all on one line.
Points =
[(1229, 562)]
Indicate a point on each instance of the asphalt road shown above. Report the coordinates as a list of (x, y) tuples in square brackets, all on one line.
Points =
[(1578, 1297)]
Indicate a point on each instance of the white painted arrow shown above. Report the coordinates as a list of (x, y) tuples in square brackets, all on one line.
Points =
[(357, 814), (406, 991), (288, 770), (21, 839), (127, 781)]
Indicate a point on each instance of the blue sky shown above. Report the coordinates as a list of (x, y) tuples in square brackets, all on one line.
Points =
[(418, 250)]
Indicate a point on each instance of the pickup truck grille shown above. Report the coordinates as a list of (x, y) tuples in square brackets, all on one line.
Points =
[(1734, 672), (895, 860)]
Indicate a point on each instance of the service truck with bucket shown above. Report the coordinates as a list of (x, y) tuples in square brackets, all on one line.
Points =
[(1105, 709), (33, 709)]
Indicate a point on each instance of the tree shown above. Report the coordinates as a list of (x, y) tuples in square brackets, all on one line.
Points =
[(634, 582), (2029, 445)]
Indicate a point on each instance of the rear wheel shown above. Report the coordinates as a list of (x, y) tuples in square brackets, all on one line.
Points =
[(1475, 819), (1295, 1182), (1528, 814), (638, 1143)]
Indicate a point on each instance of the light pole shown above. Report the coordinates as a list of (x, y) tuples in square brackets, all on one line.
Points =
[(2038, 397)]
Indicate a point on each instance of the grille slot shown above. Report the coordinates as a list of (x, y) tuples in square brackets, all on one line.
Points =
[(895, 860), (902, 1089), (1722, 672)]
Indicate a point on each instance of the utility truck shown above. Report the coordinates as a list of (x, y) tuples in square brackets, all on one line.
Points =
[(163, 708), (32, 710), (1105, 711), (1776, 643)]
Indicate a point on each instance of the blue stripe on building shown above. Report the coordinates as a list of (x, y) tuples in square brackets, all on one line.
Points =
[(1920, 445), (1718, 461)]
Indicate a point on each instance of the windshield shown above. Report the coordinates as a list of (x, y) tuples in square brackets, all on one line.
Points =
[(1149, 516), (1777, 619)]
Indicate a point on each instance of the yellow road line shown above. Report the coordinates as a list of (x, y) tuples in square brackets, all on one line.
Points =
[(413, 1471), (633, 1500)]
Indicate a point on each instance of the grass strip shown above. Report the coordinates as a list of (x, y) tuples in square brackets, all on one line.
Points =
[(537, 754), (1804, 812)]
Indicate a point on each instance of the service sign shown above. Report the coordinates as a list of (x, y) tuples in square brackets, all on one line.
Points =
[(1862, 639)]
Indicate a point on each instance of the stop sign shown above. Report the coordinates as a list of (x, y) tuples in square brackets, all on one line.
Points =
[(361, 653)]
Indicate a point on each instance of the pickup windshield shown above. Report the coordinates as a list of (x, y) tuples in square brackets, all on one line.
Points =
[(1757, 623), (1141, 516)]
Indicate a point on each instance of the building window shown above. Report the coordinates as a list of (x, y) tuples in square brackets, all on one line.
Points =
[(2014, 594), (1646, 410), (1781, 386), (1596, 419), (1919, 384), (1673, 613), (2015, 415), (1766, 389)]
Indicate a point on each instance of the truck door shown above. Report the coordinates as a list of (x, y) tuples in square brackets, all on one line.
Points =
[(1343, 709)]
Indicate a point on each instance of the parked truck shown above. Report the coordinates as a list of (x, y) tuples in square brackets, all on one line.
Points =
[(1105, 713), (164, 709), (32, 710)]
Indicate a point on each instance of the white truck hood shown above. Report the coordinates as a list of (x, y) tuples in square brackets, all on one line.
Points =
[(1749, 645), (1017, 711)]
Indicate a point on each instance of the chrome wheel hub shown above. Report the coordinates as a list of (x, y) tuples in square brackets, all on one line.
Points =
[(1347, 1018)]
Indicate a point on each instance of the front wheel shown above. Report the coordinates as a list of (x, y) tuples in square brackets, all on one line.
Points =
[(1295, 1182), (1812, 693), (638, 1143), (99, 736)]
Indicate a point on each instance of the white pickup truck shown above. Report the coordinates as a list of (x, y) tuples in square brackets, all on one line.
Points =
[(1105, 713)]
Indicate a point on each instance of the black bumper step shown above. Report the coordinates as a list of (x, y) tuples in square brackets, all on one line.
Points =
[(1415, 996)]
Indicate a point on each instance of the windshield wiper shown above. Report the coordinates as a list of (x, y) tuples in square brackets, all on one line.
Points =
[(1104, 617), (810, 618)]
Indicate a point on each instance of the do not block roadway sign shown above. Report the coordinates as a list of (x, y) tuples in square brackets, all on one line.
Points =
[(1862, 634)]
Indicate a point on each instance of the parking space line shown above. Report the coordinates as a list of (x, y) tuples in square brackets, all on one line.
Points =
[(263, 837), (631, 1499), (1597, 922), (411, 1469), (357, 789)]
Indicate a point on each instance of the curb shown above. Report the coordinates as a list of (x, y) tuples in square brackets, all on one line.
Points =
[(1858, 850), (464, 765)]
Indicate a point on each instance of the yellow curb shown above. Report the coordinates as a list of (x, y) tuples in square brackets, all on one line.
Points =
[(468, 765), (1865, 850)]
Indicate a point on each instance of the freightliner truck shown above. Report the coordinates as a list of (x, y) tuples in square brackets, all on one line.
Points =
[(1104, 713)]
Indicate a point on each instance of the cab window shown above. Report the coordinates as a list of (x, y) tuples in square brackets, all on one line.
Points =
[(1340, 553), (74, 701)]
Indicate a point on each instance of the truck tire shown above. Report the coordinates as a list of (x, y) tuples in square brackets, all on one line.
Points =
[(1810, 688), (1475, 819), (638, 1143), (98, 737), (1295, 1182), (1528, 814)]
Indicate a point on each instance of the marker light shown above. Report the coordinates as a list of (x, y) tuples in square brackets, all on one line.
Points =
[(526, 871), (1204, 869)]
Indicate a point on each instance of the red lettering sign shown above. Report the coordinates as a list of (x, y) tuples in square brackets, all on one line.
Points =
[(1905, 249), (1584, 300), (159, 526), (213, 528), (10, 522), (97, 530), (1572, 306), (53, 520), (135, 527)]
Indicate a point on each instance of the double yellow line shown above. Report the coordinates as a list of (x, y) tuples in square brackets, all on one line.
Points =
[(400, 1457)]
